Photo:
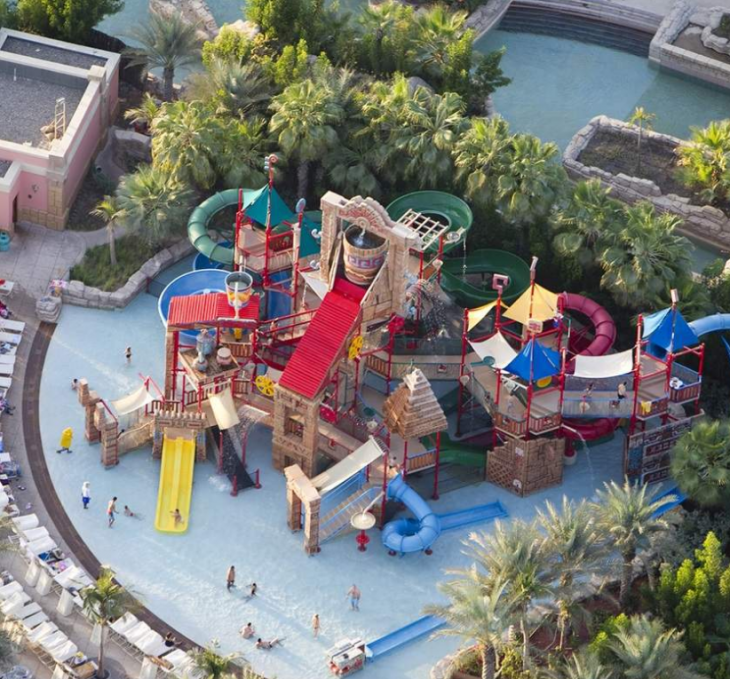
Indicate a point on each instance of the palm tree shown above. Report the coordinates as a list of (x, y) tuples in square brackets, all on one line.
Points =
[(104, 602), (153, 202), (590, 217), (109, 212), (183, 143), (168, 42), (576, 546), (241, 148), (437, 28), (145, 113), (646, 650), (477, 613), (233, 88), (478, 156), (582, 666), (705, 161), (432, 123), (627, 516), (531, 181), (701, 463), (644, 256), (210, 664), (695, 297), (387, 24), (305, 119), (516, 554), (643, 120)]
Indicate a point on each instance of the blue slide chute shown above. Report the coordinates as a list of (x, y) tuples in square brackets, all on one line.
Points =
[(714, 323), (417, 534)]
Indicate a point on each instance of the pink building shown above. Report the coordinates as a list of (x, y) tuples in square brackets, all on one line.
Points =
[(57, 101)]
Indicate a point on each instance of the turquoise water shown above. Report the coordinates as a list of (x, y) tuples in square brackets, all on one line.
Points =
[(559, 85), (181, 577)]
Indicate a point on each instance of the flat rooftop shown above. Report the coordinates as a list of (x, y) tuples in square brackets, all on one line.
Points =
[(4, 167), (28, 102), (57, 55)]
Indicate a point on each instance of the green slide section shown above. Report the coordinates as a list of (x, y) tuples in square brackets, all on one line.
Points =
[(256, 203), (457, 453), (457, 272), (441, 206)]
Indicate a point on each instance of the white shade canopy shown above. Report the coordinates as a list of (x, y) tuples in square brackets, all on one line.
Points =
[(224, 409), (496, 348), (612, 365), (366, 454), (139, 398)]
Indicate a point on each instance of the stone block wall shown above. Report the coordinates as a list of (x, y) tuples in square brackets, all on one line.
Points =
[(524, 467), (703, 221), (79, 294)]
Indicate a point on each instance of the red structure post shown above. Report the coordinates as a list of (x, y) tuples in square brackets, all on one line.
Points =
[(637, 374), (234, 486), (464, 339), (257, 478), (436, 468)]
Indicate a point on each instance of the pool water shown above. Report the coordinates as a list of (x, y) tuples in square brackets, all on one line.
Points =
[(182, 577), (558, 85)]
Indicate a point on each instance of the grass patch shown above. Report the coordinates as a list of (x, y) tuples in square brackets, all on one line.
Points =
[(95, 269)]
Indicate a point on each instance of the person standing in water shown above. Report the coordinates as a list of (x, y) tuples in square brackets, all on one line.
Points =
[(128, 355), (315, 625), (86, 494), (354, 595), (111, 510), (231, 578)]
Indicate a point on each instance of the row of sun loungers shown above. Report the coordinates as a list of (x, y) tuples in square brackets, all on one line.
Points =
[(11, 334)]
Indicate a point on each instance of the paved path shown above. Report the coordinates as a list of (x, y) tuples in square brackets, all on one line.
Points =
[(37, 254)]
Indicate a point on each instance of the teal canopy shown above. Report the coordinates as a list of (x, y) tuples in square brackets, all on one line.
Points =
[(259, 205), (534, 362), (668, 329)]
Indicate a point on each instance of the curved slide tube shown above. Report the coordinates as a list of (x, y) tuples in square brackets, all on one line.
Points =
[(604, 328), (176, 483), (200, 218), (484, 262), (405, 536), (191, 283), (438, 205), (708, 324), (604, 331)]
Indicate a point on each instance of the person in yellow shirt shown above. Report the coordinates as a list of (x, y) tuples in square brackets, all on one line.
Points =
[(67, 436)]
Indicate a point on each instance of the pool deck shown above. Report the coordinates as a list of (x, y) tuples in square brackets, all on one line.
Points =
[(22, 438)]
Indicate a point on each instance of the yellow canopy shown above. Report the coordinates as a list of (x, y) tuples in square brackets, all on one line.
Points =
[(476, 315), (543, 302)]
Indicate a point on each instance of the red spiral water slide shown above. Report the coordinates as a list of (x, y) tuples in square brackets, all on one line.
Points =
[(604, 335)]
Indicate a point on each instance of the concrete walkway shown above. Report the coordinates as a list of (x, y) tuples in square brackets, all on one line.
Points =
[(37, 254)]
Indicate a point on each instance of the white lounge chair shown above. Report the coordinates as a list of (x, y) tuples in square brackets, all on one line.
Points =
[(124, 624), (14, 603), (74, 577), (5, 383), (52, 641), (26, 522), (41, 632), (11, 326), (178, 659), (10, 337), (152, 643), (65, 652), (6, 591), (25, 612), (7, 359), (137, 632), (40, 546), (29, 624), (38, 533), (7, 369)]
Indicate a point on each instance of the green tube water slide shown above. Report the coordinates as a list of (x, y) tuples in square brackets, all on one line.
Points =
[(458, 277), (200, 219), (443, 207)]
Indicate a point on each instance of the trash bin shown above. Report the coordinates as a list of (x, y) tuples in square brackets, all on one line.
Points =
[(4, 241)]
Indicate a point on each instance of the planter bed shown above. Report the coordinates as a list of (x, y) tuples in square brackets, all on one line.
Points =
[(606, 149)]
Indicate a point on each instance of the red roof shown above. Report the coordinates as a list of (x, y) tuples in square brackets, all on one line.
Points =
[(309, 368), (210, 308)]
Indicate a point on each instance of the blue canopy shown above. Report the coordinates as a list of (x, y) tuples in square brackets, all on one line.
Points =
[(668, 329), (258, 207), (545, 362)]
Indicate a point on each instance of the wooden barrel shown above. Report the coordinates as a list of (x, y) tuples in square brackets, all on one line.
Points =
[(364, 255), (239, 288)]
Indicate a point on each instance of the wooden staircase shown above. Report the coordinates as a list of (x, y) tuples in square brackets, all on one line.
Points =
[(337, 520)]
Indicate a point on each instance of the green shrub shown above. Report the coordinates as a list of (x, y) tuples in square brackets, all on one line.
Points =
[(70, 20), (599, 644), (132, 253)]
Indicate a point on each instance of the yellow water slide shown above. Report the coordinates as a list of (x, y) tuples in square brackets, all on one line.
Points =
[(176, 481)]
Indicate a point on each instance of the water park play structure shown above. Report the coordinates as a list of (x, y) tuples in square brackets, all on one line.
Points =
[(340, 333)]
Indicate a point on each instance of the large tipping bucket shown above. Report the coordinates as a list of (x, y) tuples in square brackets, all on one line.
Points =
[(239, 288), (364, 255)]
